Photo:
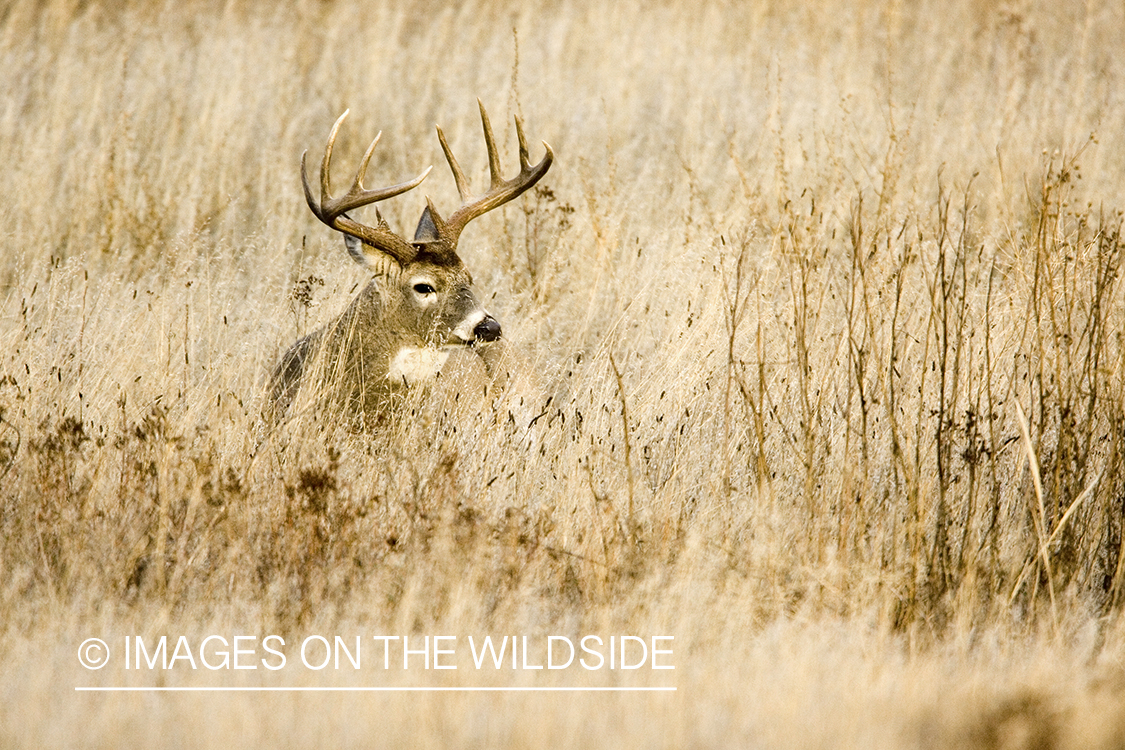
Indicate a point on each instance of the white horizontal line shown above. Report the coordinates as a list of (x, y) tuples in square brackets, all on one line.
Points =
[(373, 689)]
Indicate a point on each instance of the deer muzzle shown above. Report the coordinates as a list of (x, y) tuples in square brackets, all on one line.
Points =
[(477, 327)]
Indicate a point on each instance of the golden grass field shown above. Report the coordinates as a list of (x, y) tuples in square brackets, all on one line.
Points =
[(819, 324)]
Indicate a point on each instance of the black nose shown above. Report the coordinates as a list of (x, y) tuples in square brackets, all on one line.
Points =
[(488, 329)]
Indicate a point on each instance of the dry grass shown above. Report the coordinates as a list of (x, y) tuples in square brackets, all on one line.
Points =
[(819, 369)]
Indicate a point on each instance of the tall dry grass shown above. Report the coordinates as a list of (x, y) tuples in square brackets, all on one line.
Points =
[(819, 322)]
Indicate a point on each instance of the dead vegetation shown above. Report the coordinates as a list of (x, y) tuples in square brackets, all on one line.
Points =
[(816, 331)]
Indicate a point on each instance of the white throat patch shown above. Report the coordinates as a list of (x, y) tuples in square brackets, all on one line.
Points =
[(414, 364)]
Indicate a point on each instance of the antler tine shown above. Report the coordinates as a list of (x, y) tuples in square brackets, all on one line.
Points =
[(500, 191), (358, 186), (458, 175), (318, 207), (490, 143), (325, 187), (524, 164)]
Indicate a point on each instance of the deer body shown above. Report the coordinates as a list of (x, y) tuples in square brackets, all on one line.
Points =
[(419, 308)]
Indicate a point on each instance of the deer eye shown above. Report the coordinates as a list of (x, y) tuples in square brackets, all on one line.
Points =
[(424, 289)]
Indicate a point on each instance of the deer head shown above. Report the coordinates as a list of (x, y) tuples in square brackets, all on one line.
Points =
[(420, 302)]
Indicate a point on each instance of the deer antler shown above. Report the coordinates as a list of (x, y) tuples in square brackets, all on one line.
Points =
[(332, 211), (500, 191)]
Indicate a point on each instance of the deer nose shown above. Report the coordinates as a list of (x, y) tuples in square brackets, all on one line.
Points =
[(488, 329)]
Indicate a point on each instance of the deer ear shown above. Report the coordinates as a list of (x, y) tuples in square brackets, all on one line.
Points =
[(355, 249), (430, 226), (378, 261)]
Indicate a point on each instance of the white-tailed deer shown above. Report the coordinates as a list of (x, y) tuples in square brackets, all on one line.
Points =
[(419, 307)]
